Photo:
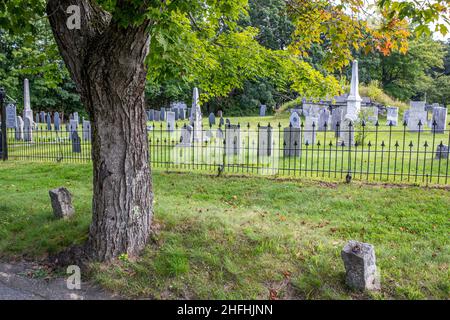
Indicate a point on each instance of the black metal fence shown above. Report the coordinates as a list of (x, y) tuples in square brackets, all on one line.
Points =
[(365, 152)]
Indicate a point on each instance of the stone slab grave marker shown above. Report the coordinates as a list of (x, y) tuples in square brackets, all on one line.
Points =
[(42, 116), (232, 140), (360, 266), (57, 121), (177, 113), (442, 152), (406, 116), (186, 136), (324, 120), (310, 130), (162, 115), (212, 119), (372, 114), (392, 116), (220, 114), (76, 142), (417, 114), (170, 121), (439, 120), (76, 117), (221, 122), (262, 110), (292, 142), (151, 115), (337, 115), (49, 122), (219, 133), (182, 114), (86, 130), (36, 118), (28, 129), (157, 115), (11, 116), (73, 127), (61, 200), (19, 129), (294, 120), (265, 141)]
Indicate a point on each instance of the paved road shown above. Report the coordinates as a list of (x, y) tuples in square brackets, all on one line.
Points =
[(16, 285)]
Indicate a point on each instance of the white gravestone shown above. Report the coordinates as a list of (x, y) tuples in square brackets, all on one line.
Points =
[(19, 128), (11, 116), (392, 116), (417, 114), (295, 120)]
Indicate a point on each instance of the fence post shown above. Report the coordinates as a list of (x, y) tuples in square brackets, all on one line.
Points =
[(4, 142)]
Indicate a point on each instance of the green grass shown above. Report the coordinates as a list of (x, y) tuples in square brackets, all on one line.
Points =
[(243, 238)]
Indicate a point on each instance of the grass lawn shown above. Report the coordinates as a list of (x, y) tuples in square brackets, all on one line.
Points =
[(242, 238)]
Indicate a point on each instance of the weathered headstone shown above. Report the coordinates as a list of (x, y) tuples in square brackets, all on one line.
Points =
[(76, 142), (177, 113), (294, 120), (442, 152), (360, 266), (11, 116), (372, 114), (220, 114), (219, 133), (36, 118), (336, 118), (212, 119), (292, 142), (61, 200), (42, 115), (57, 121), (28, 129), (324, 120), (73, 127), (417, 116), (186, 136), (86, 130), (19, 128), (157, 116), (221, 122), (439, 120), (163, 114), (262, 110), (347, 132), (76, 117), (392, 116), (232, 140), (182, 114), (265, 141), (170, 121), (49, 122), (310, 130), (151, 115)]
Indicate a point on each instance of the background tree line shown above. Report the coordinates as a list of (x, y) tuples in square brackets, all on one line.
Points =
[(255, 74)]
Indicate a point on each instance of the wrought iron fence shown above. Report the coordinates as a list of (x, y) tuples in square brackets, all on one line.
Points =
[(364, 152)]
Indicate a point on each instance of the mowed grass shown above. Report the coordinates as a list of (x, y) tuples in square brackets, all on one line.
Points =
[(242, 238)]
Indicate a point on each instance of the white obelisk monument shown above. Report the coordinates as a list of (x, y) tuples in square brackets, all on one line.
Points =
[(27, 112), (196, 118)]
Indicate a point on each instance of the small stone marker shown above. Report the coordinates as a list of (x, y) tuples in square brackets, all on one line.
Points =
[(442, 152), (11, 116), (57, 121), (262, 110), (212, 119), (295, 120), (61, 203), (360, 266)]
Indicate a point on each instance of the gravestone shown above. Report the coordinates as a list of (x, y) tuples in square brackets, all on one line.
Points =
[(76, 142), (49, 122), (406, 116), (177, 113), (182, 114), (73, 127), (347, 132), (162, 115), (372, 114), (294, 120), (28, 129), (151, 115), (170, 121), (157, 116), (219, 133), (336, 118), (86, 130), (439, 119), (417, 114), (310, 130), (212, 119), (232, 140), (324, 120), (57, 121), (442, 152), (42, 117), (189, 113), (392, 116), (19, 128), (61, 200), (227, 122), (76, 118), (186, 136), (11, 116), (262, 110), (36, 118), (209, 134), (292, 142), (220, 114), (221, 122), (298, 111), (265, 141), (360, 266)]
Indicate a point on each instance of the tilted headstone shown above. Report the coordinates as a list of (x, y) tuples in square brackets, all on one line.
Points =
[(442, 152), (439, 120), (28, 129), (11, 116), (170, 121), (61, 200), (360, 266), (87, 130), (212, 119), (57, 121), (265, 141), (310, 130), (295, 120), (19, 128), (232, 140), (392, 116), (262, 110), (292, 142)]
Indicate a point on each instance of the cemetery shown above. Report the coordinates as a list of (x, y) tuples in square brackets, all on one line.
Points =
[(224, 151)]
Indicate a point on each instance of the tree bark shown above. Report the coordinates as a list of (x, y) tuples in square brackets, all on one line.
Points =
[(107, 63)]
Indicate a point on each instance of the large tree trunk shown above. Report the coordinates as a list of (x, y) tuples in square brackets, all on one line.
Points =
[(107, 62)]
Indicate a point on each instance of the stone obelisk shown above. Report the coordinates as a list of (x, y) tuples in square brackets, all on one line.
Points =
[(27, 112), (196, 118)]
